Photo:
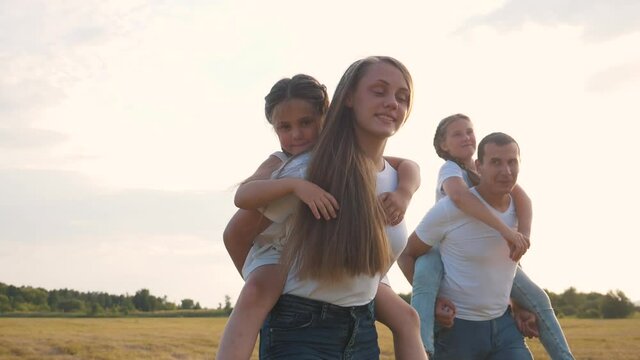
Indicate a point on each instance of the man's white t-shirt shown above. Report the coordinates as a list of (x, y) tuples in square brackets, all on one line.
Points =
[(478, 273), (352, 291)]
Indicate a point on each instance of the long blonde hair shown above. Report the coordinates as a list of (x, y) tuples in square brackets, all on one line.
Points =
[(354, 243)]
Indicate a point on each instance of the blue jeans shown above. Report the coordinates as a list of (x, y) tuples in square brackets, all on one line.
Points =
[(305, 329), (426, 282), (497, 339), (427, 276)]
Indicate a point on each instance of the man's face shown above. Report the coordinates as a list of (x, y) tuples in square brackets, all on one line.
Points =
[(499, 168)]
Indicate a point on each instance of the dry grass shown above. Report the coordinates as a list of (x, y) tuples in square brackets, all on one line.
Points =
[(197, 338)]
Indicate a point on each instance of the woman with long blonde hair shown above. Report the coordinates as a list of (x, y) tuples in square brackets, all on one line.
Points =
[(336, 266)]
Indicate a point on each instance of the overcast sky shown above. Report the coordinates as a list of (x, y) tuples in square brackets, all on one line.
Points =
[(126, 125)]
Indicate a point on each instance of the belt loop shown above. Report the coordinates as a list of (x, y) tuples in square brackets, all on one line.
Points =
[(323, 312)]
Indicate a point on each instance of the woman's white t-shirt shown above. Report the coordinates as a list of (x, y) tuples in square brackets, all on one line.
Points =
[(352, 291)]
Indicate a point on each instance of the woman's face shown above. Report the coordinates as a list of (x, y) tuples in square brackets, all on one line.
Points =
[(297, 125), (380, 101), (460, 140)]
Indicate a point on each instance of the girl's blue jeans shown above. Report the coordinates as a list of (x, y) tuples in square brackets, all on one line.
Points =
[(426, 282), (301, 328)]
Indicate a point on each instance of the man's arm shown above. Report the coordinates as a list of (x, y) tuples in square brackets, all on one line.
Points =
[(524, 210), (407, 260)]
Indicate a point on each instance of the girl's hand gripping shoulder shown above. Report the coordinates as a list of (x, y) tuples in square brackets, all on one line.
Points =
[(395, 203)]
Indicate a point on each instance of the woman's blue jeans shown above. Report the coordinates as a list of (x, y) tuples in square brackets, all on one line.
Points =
[(300, 328), (426, 282)]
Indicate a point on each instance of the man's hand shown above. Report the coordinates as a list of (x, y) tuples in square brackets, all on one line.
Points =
[(526, 323), (445, 312)]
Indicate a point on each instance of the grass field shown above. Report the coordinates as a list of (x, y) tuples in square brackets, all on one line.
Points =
[(197, 338)]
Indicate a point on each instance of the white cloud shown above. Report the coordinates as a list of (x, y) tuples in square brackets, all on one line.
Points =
[(599, 19), (53, 206), (615, 77)]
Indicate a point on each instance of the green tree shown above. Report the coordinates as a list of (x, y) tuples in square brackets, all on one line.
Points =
[(616, 305), (227, 304), (71, 305), (406, 297), (142, 300), (95, 309), (186, 304), (5, 304)]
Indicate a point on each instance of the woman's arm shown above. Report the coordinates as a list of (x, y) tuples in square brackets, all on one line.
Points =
[(524, 210), (240, 232), (459, 193), (396, 203)]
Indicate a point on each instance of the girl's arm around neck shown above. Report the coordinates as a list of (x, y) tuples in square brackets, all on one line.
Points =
[(408, 175), (467, 202), (245, 195), (264, 171), (396, 203), (259, 193), (524, 210)]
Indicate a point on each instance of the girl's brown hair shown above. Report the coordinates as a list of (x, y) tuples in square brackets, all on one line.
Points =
[(439, 138)]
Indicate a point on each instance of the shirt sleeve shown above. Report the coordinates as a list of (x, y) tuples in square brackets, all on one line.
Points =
[(278, 211), (433, 226), (447, 170)]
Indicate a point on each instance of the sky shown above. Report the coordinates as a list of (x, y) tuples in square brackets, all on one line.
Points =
[(125, 127)]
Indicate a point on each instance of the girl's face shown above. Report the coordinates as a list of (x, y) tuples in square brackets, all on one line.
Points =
[(297, 125), (380, 101), (460, 140)]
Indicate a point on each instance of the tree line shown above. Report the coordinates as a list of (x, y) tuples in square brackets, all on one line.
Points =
[(612, 305), (27, 299)]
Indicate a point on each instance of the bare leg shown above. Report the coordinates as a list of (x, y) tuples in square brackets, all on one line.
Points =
[(258, 296), (403, 321)]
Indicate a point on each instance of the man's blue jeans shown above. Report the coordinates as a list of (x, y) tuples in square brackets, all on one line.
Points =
[(426, 283), (305, 329), (497, 339)]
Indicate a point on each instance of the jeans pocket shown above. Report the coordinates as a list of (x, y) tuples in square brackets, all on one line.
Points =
[(290, 320)]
